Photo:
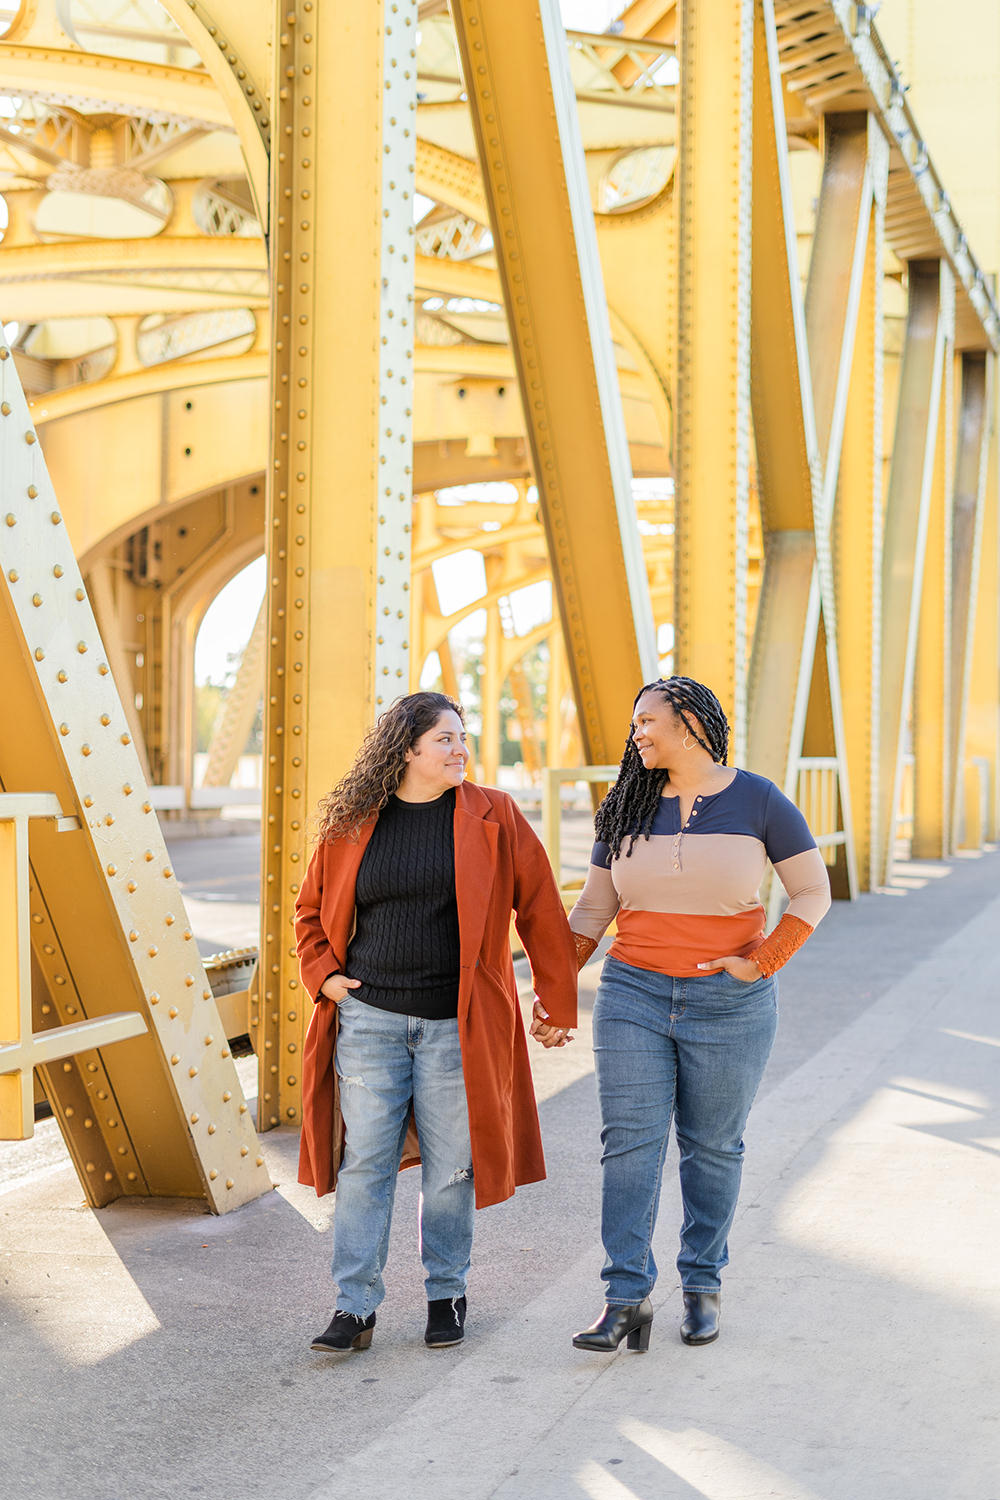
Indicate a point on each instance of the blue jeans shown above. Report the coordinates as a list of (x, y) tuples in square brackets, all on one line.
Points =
[(689, 1049), (384, 1060)]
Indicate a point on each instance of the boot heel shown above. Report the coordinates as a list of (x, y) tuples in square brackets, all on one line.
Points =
[(638, 1339), (363, 1340)]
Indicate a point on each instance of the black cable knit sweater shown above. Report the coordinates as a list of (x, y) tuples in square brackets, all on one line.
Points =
[(405, 945)]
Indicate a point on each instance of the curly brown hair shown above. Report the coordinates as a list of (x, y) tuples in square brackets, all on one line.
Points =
[(380, 763)]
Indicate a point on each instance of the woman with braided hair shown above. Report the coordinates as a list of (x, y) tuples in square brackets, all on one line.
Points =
[(686, 1009), (416, 1050)]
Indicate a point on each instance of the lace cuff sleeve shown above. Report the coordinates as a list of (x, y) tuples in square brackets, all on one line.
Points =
[(786, 939)]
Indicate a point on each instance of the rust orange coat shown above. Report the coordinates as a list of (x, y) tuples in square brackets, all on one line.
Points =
[(500, 867)]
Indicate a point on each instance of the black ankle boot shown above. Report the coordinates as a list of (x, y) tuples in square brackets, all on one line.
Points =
[(445, 1322), (633, 1320), (346, 1331), (701, 1317)]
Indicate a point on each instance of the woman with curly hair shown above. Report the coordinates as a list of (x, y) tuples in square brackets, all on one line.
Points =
[(680, 1032), (416, 1050)]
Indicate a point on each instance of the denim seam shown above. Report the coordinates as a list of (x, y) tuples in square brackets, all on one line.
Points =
[(656, 1192)]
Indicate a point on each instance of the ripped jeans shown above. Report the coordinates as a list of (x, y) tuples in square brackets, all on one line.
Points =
[(383, 1060)]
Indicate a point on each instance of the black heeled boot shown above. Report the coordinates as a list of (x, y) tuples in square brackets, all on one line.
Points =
[(701, 1317), (632, 1321), (445, 1322), (346, 1331)]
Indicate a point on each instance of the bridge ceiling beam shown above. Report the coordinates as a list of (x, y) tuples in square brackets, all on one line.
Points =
[(152, 452), (177, 254), (115, 85), (515, 67), (234, 41), (175, 375)]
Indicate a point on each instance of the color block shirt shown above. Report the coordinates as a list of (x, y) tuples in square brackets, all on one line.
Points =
[(689, 894)]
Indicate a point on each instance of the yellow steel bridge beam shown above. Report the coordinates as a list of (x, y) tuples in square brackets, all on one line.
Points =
[(515, 67), (856, 548), (982, 742), (339, 504), (929, 318), (162, 1113), (712, 405), (968, 515), (932, 701)]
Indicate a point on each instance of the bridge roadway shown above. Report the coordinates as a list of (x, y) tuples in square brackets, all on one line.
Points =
[(152, 1352)]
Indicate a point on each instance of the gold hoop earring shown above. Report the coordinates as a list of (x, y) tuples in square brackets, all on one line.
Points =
[(684, 743)]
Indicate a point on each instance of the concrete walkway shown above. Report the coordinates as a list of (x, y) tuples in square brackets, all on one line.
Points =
[(153, 1351)]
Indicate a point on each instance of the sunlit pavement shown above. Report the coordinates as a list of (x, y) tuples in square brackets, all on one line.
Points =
[(151, 1350)]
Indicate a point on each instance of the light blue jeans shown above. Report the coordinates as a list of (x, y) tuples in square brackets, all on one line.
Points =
[(689, 1049), (385, 1060)]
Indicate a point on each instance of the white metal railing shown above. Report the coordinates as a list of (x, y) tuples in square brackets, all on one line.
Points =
[(553, 780), (817, 798), (21, 1048)]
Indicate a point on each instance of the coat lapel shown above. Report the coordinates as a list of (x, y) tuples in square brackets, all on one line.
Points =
[(340, 882), (475, 863)]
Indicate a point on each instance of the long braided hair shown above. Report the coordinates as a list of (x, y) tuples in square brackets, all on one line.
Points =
[(380, 763), (630, 806)]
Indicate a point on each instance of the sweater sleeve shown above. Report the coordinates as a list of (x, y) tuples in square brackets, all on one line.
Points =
[(541, 923), (597, 904), (317, 960)]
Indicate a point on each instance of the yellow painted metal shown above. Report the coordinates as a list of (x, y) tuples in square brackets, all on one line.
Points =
[(932, 669), (785, 439), (982, 735), (341, 469), (515, 68), (153, 452), (929, 319), (162, 1113), (119, 83), (968, 502), (22, 1049), (712, 403), (856, 536)]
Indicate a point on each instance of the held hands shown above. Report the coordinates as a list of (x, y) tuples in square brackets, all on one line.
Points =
[(740, 968), (336, 986), (549, 1036)]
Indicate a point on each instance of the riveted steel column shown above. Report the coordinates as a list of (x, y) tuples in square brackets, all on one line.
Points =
[(931, 714), (517, 74), (713, 378), (781, 662), (340, 496), (982, 733), (856, 546), (971, 459), (162, 1113), (929, 316)]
